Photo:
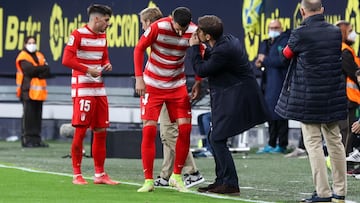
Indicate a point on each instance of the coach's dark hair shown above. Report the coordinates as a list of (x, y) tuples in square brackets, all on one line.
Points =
[(182, 16), (99, 8), (212, 25)]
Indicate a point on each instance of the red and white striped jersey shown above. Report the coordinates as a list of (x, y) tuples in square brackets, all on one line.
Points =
[(86, 49), (165, 66)]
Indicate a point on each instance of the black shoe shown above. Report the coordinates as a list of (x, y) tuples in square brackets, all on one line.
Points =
[(35, 145), (338, 198), (316, 198), (28, 145), (42, 144), (205, 189), (226, 190)]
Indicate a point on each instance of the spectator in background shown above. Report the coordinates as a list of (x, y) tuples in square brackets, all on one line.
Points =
[(164, 81), (274, 72), (86, 53), (299, 151), (350, 64), (204, 123), (314, 94), (237, 103), (168, 135), (354, 156), (169, 130), (32, 71)]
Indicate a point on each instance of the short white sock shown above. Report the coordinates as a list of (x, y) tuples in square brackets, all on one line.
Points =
[(77, 175), (99, 174)]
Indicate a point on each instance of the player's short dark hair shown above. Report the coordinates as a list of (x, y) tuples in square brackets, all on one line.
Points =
[(99, 8), (212, 25), (182, 16)]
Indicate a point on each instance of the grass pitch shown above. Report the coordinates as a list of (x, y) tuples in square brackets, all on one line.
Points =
[(45, 176)]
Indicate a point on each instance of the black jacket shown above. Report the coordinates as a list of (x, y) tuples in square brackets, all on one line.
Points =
[(314, 90), (275, 71), (237, 103)]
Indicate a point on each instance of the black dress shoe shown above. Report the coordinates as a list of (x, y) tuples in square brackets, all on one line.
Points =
[(226, 190), (315, 198), (28, 145), (205, 189), (42, 144), (35, 145)]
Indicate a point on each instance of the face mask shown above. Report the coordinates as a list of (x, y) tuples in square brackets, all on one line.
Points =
[(273, 34), (352, 36), (31, 48)]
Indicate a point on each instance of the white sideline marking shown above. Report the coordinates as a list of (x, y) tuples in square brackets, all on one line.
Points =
[(53, 173), (128, 183)]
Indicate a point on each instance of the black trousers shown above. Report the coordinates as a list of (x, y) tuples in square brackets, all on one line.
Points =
[(31, 121), (301, 141), (279, 129), (348, 138), (224, 163)]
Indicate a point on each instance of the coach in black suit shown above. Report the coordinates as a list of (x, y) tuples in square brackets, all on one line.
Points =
[(237, 103)]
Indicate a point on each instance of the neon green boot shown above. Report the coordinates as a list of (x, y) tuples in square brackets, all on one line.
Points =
[(148, 186), (176, 181)]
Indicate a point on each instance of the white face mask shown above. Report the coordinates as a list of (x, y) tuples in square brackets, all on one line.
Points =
[(352, 36), (31, 48), (273, 34)]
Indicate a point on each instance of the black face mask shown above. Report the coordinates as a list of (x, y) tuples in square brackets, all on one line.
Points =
[(350, 43)]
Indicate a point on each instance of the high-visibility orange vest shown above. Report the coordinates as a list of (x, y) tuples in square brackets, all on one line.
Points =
[(352, 90), (37, 89)]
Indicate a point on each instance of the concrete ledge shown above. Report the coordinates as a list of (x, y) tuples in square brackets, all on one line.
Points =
[(64, 111)]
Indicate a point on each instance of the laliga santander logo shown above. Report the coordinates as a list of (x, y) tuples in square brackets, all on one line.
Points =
[(297, 18), (352, 15), (56, 32), (251, 25)]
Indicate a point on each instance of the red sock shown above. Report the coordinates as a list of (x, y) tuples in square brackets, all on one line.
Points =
[(98, 149), (148, 150), (182, 147), (77, 149)]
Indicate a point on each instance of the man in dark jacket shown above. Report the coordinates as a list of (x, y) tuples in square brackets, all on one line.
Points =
[(274, 72), (314, 94), (237, 103)]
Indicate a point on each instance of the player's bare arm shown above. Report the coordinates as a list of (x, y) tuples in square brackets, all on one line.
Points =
[(139, 85)]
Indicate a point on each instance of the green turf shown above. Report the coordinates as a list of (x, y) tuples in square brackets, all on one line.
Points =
[(23, 186), (270, 178)]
